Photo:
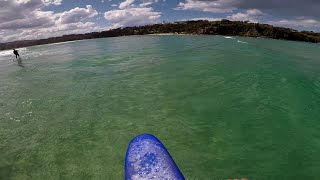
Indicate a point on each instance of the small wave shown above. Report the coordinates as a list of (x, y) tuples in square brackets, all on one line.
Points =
[(228, 37), (242, 42), (22, 49), (6, 53), (66, 42), (163, 34)]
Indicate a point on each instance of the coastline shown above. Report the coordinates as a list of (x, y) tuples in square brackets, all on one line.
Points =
[(201, 27)]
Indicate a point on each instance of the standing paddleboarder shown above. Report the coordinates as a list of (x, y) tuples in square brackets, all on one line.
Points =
[(15, 52)]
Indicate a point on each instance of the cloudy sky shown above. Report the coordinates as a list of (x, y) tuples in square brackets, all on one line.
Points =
[(34, 19)]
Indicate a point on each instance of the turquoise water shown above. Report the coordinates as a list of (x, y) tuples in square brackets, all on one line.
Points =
[(225, 108)]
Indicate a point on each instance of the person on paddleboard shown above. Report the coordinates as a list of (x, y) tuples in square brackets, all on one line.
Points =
[(15, 52)]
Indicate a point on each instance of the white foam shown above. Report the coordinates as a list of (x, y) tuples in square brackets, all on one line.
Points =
[(162, 34), (242, 42), (66, 42), (6, 53), (228, 37)]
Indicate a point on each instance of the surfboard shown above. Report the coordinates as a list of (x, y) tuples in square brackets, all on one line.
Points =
[(147, 158)]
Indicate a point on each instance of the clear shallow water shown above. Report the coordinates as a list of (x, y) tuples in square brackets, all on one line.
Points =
[(225, 108)]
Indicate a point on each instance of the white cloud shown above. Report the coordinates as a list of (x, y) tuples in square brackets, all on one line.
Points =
[(148, 2), (218, 6), (126, 4), (290, 10), (311, 24), (54, 2), (284, 8), (250, 15), (77, 14), (37, 19), (25, 19), (23, 14), (204, 18), (132, 16), (17, 9), (145, 4), (73, 28)]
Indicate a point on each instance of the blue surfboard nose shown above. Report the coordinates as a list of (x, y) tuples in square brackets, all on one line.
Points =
[(148, 159)]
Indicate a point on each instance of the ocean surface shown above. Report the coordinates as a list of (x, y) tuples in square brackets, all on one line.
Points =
[(225, 107)]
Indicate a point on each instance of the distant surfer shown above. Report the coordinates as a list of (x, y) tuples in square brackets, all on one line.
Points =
[(15, 52)]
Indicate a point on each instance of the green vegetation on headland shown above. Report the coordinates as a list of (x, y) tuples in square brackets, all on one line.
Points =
[(201, 27)]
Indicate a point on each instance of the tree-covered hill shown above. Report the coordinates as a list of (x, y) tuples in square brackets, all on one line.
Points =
[(223, 27)]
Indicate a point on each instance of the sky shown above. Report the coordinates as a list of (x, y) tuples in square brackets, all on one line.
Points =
[(35, 19)]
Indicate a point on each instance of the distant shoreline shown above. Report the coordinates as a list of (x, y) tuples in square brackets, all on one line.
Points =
[(162, 34), (167, 34), (201, 27)]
